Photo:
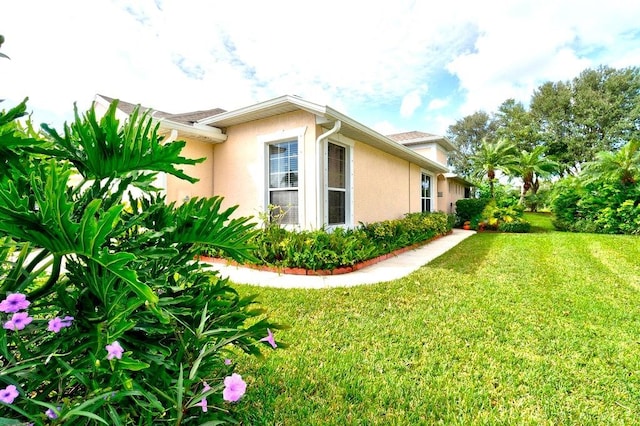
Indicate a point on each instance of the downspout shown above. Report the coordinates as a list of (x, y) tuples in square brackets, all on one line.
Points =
[(319, 172)]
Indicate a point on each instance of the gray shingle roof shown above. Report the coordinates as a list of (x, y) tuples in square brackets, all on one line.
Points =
[(410, 136), (184, 118)]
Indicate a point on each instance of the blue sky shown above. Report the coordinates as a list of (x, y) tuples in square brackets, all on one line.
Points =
[(392, 65)]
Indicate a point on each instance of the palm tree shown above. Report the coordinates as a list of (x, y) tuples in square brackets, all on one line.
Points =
[(530, 167), (622, 166), (491, 157)]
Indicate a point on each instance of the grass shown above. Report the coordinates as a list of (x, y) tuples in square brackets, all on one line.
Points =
[(537, 328)]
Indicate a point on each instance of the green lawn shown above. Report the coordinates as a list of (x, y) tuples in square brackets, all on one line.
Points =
[(540, 328)]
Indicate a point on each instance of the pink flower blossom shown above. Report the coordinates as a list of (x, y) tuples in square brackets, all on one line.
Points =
[(203, 404), (205, 387), (227, 361), (14, 302), (18, 321), (51, 413), (8, 394), (115, 350), (58, 324), (234, 388), (269, 339)]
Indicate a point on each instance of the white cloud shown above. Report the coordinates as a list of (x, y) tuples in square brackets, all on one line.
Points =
[(180, 55), (386, 128), (438, 104), (410, 103), (523, 44)]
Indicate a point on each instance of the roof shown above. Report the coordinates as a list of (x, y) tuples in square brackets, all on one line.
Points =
[(186, 123), (185, 117), (325, 117), (419, 138)]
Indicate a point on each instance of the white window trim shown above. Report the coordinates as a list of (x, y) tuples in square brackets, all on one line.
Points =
[(349, 213), (263, 144), (434, 182)]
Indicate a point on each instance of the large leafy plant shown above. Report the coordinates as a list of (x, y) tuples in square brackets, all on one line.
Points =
[(107, 318)]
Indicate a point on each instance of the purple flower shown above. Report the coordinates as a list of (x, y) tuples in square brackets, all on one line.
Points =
[(14, 302), (205, 387), (269, 339), (203, 404), (57, 324), (51, 413), (18, 321), (8, 394), (234, 388), (227, 361), (115, 350)]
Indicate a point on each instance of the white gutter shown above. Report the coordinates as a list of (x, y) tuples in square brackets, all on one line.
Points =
[(319, 172)]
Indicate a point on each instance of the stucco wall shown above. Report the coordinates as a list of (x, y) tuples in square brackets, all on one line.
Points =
[(178, 189), (382, 185), (456, 192), (239, 171), (432, 151)]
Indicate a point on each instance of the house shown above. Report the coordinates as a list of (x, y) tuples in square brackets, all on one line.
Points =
[(319, 166)]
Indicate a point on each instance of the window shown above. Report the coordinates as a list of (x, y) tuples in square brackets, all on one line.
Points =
[(283, 180), (336, 184), (425, 192)]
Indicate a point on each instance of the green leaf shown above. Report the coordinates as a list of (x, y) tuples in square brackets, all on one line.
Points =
[(132, 364)]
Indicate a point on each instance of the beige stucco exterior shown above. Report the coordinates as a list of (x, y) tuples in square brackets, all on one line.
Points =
[(381, 185), (239, 173), (181, 190)]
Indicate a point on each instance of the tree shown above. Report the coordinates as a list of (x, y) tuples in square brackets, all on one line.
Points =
[(517, 125), (467, 135), (492, 157), (622, 166), (530, 167), (597, 111)]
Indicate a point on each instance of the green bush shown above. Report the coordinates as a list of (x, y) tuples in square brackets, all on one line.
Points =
[(324, 249), (507, 218), (470, 209), (118, 324), (520, 226), (599, 206)]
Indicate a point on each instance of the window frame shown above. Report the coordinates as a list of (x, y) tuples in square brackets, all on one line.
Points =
[(431, 177), (264, 142), (348, 184)]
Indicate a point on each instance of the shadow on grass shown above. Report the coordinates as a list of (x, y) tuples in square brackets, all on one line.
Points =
[(467, 256)]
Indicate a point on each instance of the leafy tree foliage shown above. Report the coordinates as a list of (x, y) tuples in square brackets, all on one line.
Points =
[(467, 135), (597, 111), (491, 157), (531, 167), (604, 197), (114, 265), (516, 124)]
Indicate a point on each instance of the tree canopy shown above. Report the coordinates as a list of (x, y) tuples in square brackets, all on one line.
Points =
[(599, 110)]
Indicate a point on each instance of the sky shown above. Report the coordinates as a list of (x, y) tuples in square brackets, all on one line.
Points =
[(393, 66)]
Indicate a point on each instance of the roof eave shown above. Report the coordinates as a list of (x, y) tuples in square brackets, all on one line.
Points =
[(274, 107), (384, 143), (210, 134), (260, 110)]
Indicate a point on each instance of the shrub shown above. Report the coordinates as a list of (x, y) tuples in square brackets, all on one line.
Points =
[(470, 209), (330, 249), (505, 219), (600, 206), (125, 327), (520, 226)]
